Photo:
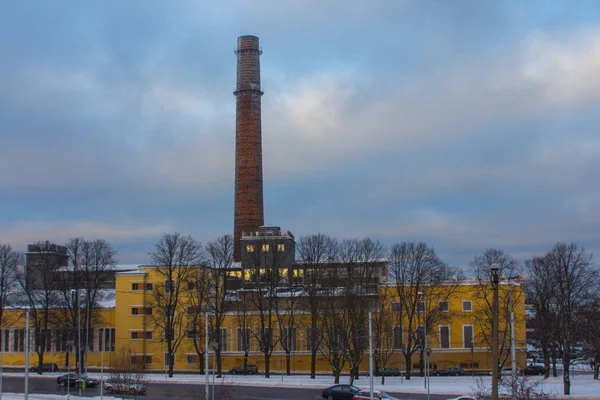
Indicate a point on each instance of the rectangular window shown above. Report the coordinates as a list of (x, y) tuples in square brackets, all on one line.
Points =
[(5, 341), (112, 339), (467, 336), (396, 307), (397, 337), (309, 338), (18, 340), (467, 306), (419, 334), (148, 360), (169, 359), (288, 341), (243, 339), (444, 337), (191, 310), (443, 306), (281, 247), (223, 339), (135, 286), (265, 247), (148, 286), (191, 359), (148, 335), (134, 335), (420, 306), (169, 311), (250, 248), (169, 286), (191, 285), (148, 311), (134, 311), (267, 339), (192, 334), (169, 335), (135, 360)]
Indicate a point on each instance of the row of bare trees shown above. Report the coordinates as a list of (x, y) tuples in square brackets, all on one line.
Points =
[(563, 287), (61, 299)]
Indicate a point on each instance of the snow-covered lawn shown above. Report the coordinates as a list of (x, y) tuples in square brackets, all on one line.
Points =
[(581, 384)]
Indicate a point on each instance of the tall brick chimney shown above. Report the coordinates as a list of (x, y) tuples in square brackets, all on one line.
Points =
[(249, 212)]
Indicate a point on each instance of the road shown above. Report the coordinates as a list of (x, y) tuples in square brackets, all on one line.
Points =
[(171, 391)]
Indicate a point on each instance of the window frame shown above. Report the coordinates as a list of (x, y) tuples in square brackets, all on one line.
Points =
[(470, 302)]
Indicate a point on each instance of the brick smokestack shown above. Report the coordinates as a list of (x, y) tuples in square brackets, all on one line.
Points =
[(249, 212)]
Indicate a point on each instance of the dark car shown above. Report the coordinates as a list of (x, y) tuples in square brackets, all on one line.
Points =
[(74, 379), (449, 371), (50, 367), (340, 392), (534, 370), (251, 369), (390, 371)]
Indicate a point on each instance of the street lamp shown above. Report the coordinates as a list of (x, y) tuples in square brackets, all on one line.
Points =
[(495, 281), (425, 348)]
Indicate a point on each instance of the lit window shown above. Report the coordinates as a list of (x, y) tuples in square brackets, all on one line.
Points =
[(281, 247), (250, 248), (265, 247)]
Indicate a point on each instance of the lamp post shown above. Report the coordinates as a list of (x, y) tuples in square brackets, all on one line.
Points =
[(495, 280), (207, 382)]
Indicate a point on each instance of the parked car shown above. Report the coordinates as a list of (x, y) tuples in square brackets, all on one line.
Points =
[(50, 367), (449, 371), (366, 395), (389, 371), (508, 371), (74, 379), (534, 369), (340, 392), (465, 397), (131, 387), (251, 369)]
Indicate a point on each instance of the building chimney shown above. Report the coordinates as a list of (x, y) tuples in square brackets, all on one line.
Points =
[(249, 212)]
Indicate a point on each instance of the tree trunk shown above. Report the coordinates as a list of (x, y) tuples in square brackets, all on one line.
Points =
[(596, 363), (382, 378), (407, 357), (554, 373), (288, 362), (336, 375), (421, 363), (219, 361), (267, 365), (313, 363), (201, 355), (40, 361), (566, 377), (546, 355)]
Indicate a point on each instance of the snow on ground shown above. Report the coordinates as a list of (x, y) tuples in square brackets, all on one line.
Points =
[(581, 384), (19, 396)]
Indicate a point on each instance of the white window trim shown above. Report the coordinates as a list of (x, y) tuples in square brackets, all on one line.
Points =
[(463, 305), (472, 335), (440, 337)]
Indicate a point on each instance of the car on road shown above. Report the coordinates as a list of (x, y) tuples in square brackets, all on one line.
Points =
[(377, 395), (508, 371), (389, 371), (74, 379), (449, 371), (465, 397), (251, 369), (534, 369), (340, 392), (125, 386), (46, 367)]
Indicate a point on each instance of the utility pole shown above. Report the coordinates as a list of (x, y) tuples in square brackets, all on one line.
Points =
[(512, 346), (370, 356), (27, 356), (495, 282), (206, 385)]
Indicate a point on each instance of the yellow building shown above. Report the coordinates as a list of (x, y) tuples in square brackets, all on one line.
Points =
[(450, 339)]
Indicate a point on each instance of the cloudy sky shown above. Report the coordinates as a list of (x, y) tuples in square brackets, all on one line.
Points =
[(464, 124)]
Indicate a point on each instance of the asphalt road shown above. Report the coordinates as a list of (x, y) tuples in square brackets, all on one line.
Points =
[(172, 391)]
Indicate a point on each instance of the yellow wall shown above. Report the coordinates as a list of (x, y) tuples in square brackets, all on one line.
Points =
[(122, 319)]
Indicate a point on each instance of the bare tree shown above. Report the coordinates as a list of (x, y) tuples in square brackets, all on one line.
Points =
[(540, 293), (383, 328), (420, 278), (196, 324), (315, 252), (575, 282), (91, 262), (220, 261), (590, 332), (508, 269), (10, 262), (41, 298), (285, 312), (176, 260), (126, 373), (242, 308), (267, 276)]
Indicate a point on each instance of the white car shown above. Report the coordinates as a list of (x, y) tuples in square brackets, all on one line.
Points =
[(131, 387), (464, 398)]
